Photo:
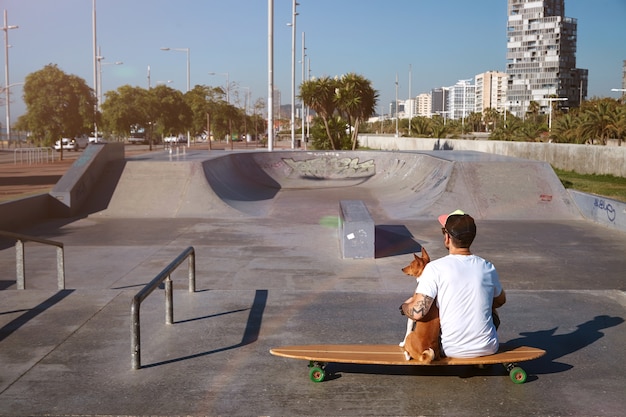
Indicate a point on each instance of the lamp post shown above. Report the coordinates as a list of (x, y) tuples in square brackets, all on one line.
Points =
[(100, 64), (6, 29), (270, 75), (293, 73), (302, 116), (550, 100), (181, 50), (227, 84)]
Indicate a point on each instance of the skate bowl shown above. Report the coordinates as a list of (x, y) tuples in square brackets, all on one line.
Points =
[(393, 185)]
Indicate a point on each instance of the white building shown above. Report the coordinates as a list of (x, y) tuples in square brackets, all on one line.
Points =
[(461, 99)]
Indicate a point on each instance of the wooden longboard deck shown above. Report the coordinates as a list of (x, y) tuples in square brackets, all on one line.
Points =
[(393, 355)]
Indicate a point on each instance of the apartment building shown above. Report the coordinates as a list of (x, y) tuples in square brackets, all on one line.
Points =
[(424, 104), (541, 56), (461, 99), (491, 89)]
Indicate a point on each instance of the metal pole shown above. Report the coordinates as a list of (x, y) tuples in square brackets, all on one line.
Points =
[(188, 78), (135, 334), (302, 118), (7, 98), (60, 268), (19, 264), (397, 133), (270, 75), (169, 301), (410, 98), (293, 75), (95, 68)]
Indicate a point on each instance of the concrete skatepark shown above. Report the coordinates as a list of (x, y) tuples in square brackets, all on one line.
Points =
[(269, 272)]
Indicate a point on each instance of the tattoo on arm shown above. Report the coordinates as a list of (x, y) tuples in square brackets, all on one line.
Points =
[(420, 309)]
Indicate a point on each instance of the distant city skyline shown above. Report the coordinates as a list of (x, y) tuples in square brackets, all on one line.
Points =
[(435, 43)]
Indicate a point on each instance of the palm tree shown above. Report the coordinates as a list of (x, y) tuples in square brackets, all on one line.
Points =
[(599, 121), (421, 125), (319, 95), (491, 118), (355, 98)]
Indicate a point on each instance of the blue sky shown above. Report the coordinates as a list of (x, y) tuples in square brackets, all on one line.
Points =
[(442, 41)]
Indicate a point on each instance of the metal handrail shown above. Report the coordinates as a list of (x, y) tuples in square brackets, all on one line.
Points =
[(20, 258), (135, 330)]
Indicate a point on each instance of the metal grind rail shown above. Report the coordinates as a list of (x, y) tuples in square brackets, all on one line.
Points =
[(20, 258), (163, 276)]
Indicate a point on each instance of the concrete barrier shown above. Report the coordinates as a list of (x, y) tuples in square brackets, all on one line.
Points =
[(606, 211), (356, 228), (72, 190), (584, 159)]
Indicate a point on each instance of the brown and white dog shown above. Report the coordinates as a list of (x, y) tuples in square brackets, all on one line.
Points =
[(421, 341)]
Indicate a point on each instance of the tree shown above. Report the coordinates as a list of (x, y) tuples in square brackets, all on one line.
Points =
[(600, 121), (421, 126), (57, 104), (170, 113), (350, 96), (357, 100), (319, 95), (200, 100), (126, 108)]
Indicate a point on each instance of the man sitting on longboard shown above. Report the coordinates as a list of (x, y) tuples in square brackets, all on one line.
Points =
[(467, 289)]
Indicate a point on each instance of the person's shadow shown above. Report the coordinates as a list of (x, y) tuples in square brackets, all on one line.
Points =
[(558, 346)]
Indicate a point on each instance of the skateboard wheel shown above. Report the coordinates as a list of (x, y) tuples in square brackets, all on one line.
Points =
[(518, 375), (317, 374)]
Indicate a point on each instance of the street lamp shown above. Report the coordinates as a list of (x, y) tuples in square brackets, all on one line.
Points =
[(293, 73), (227, 84), (100, 64), (550, 100), (620, 90), (181, 50), (6, 29)]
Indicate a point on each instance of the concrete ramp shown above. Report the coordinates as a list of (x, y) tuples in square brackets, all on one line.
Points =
[(305, 186)]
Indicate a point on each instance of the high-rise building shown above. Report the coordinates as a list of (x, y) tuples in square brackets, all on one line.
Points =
[(541, 56), (490, 91), (461, 100), (439, 102)]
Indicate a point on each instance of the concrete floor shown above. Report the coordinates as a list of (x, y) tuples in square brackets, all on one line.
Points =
[(265, 280)]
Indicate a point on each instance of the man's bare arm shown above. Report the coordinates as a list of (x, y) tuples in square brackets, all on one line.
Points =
[(499, 300), (417, 309)]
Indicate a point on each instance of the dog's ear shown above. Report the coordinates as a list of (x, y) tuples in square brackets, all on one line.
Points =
[(425, 255)]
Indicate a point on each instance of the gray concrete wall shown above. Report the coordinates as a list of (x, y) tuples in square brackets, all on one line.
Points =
[(18, 214), (584, 159)]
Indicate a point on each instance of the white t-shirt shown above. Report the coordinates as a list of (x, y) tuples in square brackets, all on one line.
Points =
[(464, 286)]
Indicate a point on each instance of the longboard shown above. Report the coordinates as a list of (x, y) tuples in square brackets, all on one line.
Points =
[(320, 355)]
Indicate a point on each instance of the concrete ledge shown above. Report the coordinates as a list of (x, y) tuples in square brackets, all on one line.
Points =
[(608, 212), (73, 188), (356, 228)]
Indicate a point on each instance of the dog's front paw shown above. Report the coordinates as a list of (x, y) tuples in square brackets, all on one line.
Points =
[(407, 356)]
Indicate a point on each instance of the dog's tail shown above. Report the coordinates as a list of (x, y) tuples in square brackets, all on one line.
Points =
[(427, 356)]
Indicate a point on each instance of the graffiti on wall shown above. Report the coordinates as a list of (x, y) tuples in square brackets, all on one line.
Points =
[(600, 204), (331, 168)]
